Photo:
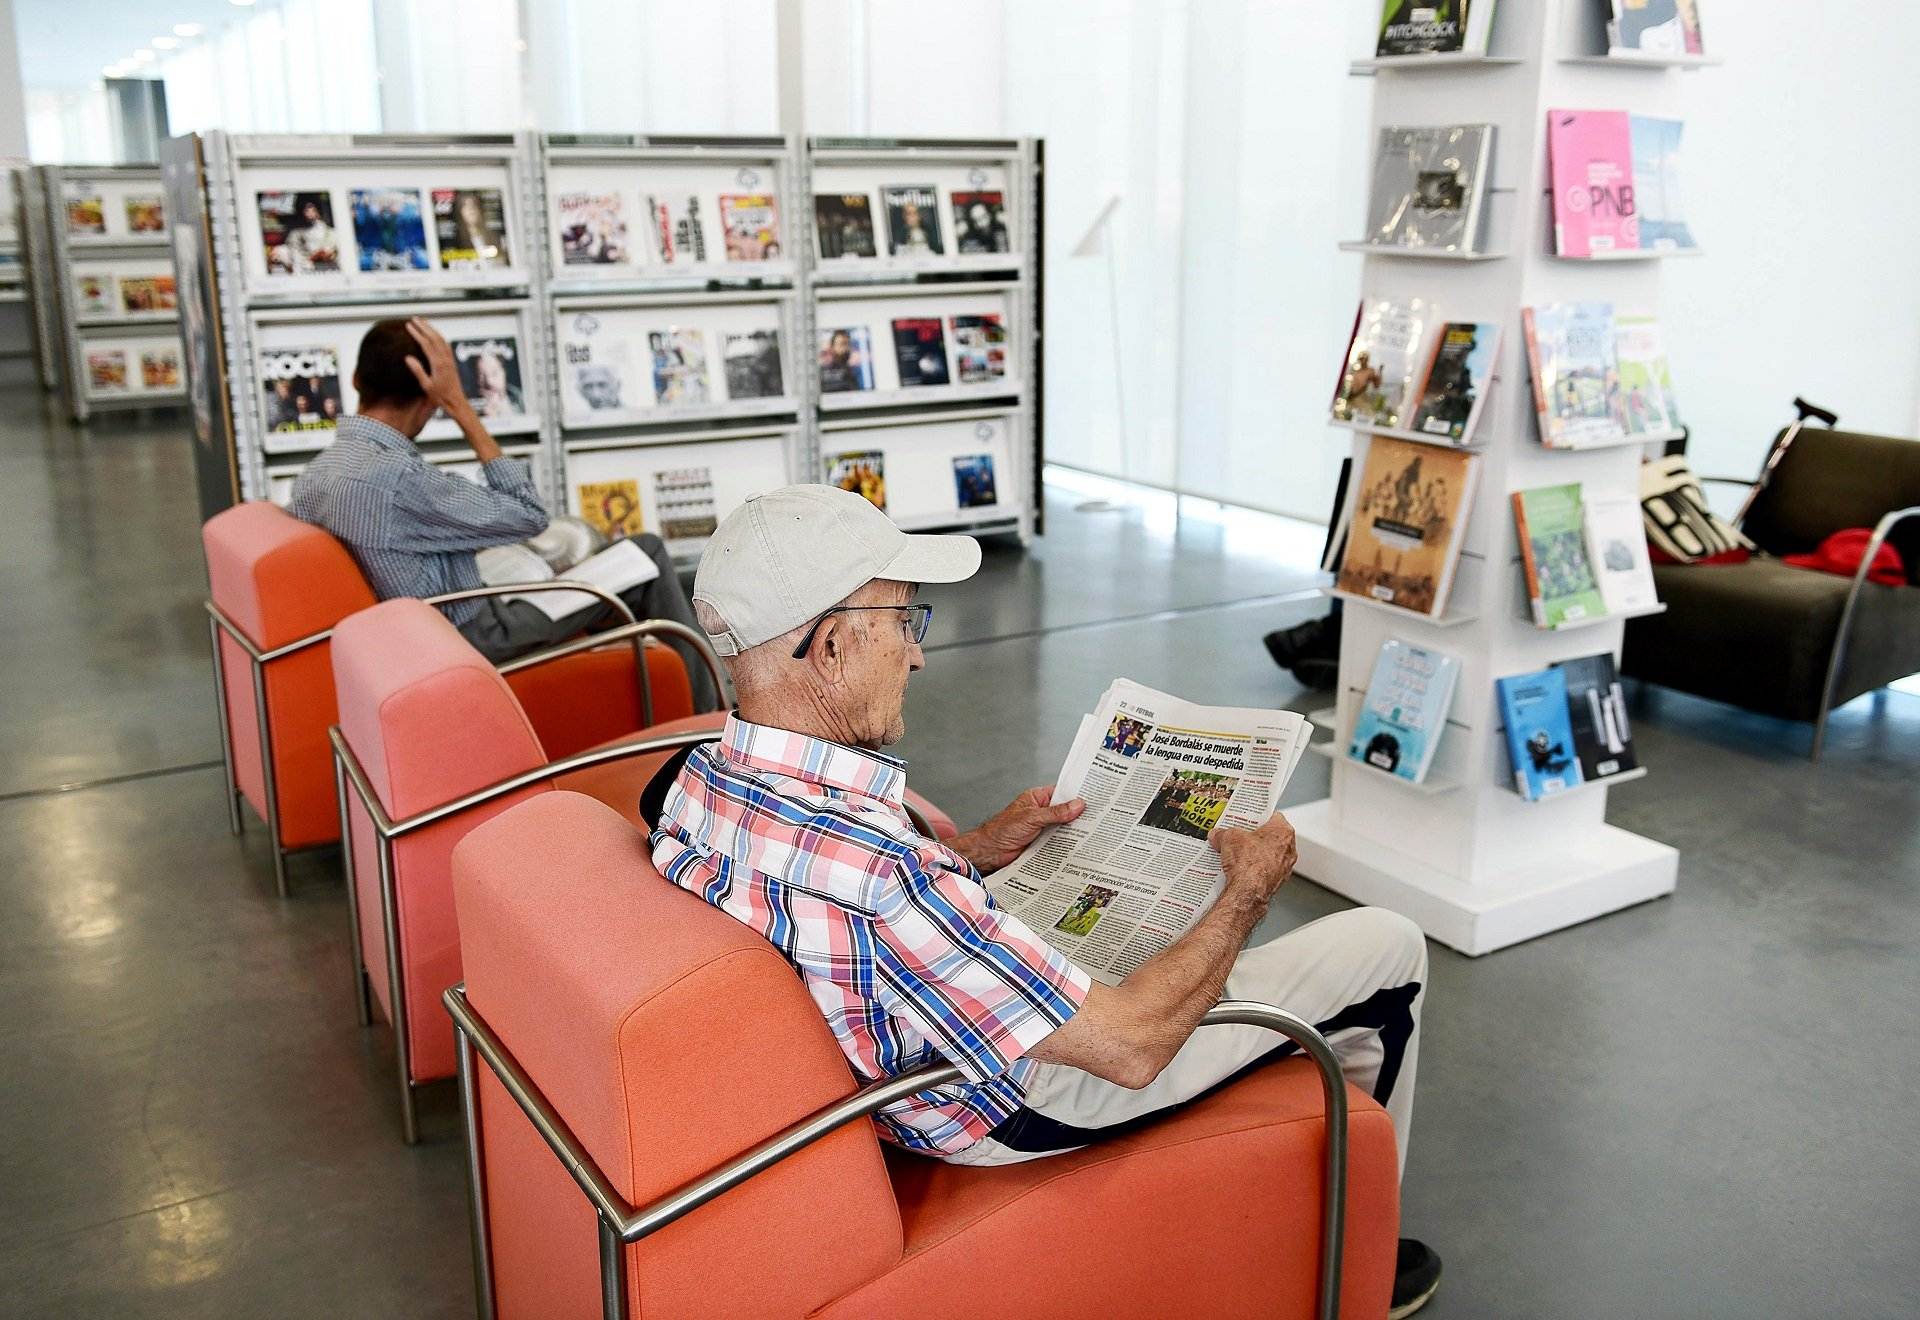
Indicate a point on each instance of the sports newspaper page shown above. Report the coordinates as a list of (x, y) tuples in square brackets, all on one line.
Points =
[(1129, 877)]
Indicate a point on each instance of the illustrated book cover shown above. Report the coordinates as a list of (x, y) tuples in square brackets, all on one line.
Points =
[(973, 481), (1553, 548), (1539, 733), (1408, 524), (1455, 389), (1647, 405), (593, 229), (297, 232), (1590, 162), (921, 351), (846, 359), (679, 366), (1430, 186), (489, 368), (388, 229), (979, 348), (1405, 710), (470, 226), (750, 223), (1376, 382), (1576, 374), (751, 362), (843, 225), (913, 220), (301, 388), (980, 222), (1617, 549), (1597, 714), (1656, 184), (864, 472)]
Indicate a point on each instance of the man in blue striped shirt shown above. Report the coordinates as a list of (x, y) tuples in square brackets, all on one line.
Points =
[(414, 529)]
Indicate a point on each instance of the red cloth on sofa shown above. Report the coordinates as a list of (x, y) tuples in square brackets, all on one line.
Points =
[(1841, 553)]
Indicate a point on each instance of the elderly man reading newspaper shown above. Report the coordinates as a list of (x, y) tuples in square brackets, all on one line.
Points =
[(1068, 986)]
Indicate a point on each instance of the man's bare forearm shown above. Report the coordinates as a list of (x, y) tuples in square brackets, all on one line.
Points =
[(1173, 990), (485, 447)]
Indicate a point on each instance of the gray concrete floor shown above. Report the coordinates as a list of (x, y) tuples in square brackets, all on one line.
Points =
[(1690, 1109)]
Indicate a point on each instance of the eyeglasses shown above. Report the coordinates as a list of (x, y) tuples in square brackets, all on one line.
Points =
[(919, 616)]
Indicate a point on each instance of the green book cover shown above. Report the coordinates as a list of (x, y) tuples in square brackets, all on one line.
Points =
[(1553, 543)]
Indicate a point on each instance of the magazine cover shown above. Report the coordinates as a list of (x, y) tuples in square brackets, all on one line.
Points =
[(679, 366), (846, 360), (388, 229), (147, 293), (864, 472), (1597, 714), (1658, 27), (751, 223), (1646, 385), (470, 225), (913, 220), (86, 213), (1405, 710), (679, 233), (1539, 733), (611, 508), (1429, 186), (593, 229), (106, 370), (490, 375), (752, 364), (92, 295), (980, 222), (1553, 547), (302, 388), (1426, 27), (1617, 548), (844, 224), (146, 215), (1456, 385), (296, 230), (1576, 375), (683, 499), (1377, 384), (980, 348), (1656, 183), (160, 368), (921, 351), (1590, 159), (596, 370), (1409, 519), (973, 480)]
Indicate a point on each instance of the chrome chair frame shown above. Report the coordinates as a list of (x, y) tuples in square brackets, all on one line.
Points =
[(1837, 654), (621, 1223), (348, 774), (258, 660)]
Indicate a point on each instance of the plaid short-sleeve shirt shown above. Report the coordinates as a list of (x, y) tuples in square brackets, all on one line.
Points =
[(809, 843)]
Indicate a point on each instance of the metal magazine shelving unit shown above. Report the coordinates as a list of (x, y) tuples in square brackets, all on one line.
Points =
[(952, 436), (1487, 867), (297, 286), (35, 237), (114, 324), (666, 296), (673, 305)]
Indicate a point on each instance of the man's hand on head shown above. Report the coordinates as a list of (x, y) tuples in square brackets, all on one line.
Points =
[(1018, 824), (434, 366)]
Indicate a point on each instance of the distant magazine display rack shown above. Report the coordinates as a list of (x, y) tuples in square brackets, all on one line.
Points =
[(924, 327), (1498, 410), (106, 284), (665, 325)]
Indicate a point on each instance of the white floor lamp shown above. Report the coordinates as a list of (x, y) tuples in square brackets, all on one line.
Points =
[(1098, 239)]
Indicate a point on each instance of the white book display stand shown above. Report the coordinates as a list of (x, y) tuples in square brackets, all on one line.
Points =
[(1475, 864)]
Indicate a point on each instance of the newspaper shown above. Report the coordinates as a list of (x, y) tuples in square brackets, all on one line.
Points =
[(1115, 887), (620, 567)]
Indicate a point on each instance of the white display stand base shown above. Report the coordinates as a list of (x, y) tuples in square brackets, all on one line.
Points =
[(1604, 871)]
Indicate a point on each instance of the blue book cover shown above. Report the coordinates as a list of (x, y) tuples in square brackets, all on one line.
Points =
[(1539, 733), (1405, 710)]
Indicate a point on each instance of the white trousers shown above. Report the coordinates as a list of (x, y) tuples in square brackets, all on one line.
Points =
[(1358, 976)]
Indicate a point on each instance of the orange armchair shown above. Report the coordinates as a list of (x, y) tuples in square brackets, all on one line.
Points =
[(664, 1126), (277, 587)]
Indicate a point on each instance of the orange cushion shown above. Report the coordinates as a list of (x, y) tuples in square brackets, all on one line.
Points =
[(619, 784), (583, 700), (1215, 1211), (670, 1038), (429, 720), (279, 580)]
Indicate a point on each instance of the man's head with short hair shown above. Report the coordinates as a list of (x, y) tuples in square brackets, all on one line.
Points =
[(823, 567), (385, 383)]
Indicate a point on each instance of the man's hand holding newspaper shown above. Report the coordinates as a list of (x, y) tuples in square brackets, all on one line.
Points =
[(1114, 884)]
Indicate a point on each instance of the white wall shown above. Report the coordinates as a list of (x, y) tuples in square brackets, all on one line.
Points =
[(1800, 180)]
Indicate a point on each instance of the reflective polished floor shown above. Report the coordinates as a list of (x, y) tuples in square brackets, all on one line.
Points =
[(1694, 1108)]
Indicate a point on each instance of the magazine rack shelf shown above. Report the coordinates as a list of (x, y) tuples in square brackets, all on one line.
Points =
[(1446, 61), (109, 286), (1588, 786), (662, 295), (1630, 440), (1639, 60), (1598, 620), (926, 267), (1634, 254), (1480, 867), (1417, 254), (1419, 437)]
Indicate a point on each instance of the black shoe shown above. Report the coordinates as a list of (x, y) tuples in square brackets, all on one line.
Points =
[(1415, 1278)]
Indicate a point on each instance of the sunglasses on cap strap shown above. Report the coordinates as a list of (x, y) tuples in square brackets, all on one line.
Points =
[(918, 616)]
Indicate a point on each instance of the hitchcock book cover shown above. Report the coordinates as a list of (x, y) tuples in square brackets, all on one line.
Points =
[(1590, 153)]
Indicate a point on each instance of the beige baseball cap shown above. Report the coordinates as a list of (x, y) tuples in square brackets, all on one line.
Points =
[(782, 558)]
